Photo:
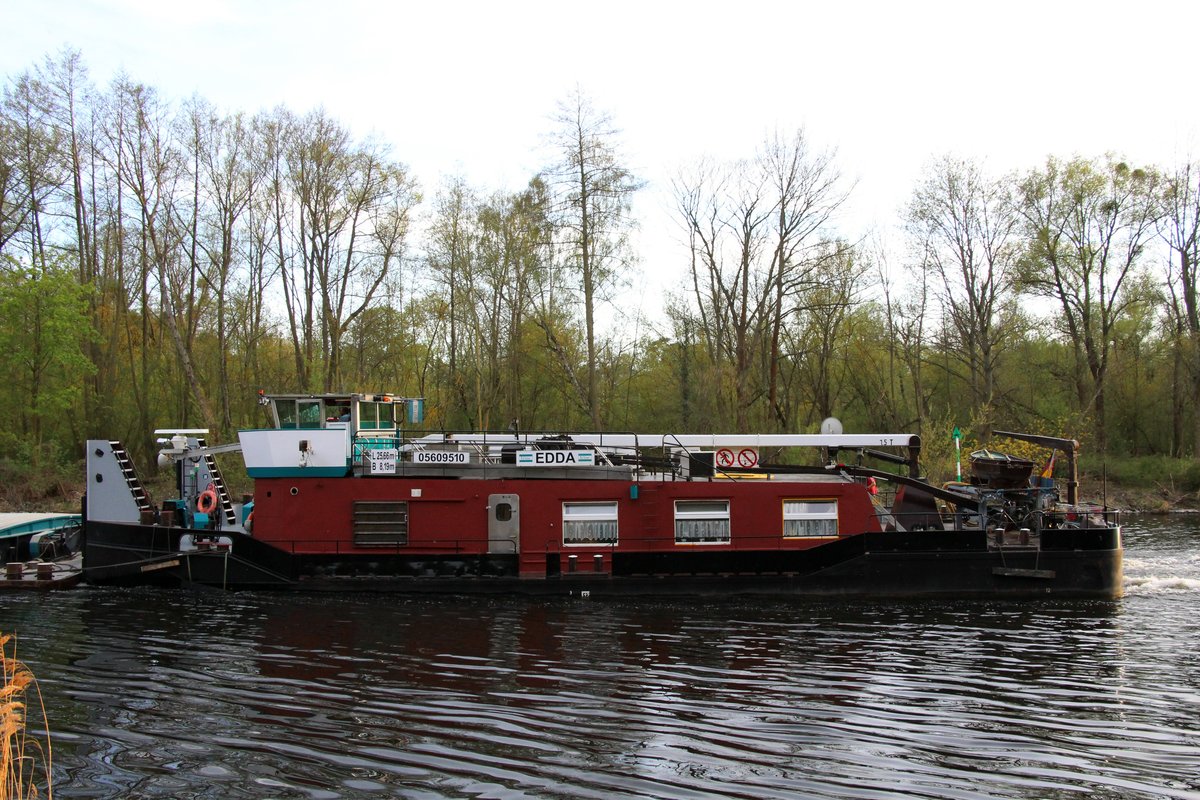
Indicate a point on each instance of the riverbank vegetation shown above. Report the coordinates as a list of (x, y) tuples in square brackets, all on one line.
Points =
[(24, 759), (161, 261)]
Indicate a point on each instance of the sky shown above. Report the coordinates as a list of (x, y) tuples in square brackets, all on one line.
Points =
[(469, 88)]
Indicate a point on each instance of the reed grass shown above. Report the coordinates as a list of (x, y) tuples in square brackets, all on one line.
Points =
[(20, 752)]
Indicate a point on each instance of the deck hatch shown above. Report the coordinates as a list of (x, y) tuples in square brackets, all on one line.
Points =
[(380, 523)]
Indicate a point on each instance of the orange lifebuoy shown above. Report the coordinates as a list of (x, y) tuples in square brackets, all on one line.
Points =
[(207, 501), (249, 523)]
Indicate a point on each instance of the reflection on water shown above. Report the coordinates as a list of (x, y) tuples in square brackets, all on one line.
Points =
[(180, 694)]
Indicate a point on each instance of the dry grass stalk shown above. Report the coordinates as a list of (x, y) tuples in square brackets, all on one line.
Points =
[(20, 753)]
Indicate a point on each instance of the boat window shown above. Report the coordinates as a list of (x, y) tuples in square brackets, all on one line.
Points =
[(366, 415), (286, 411), (701, 521), (590, 523), (809, 518), (338, 411), (376, 416), (503, 512), (309, 413)]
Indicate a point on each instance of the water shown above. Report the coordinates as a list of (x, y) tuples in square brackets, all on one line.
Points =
[(154, 694)]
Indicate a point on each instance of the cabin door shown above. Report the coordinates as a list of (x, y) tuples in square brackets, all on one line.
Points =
[(504, 524)]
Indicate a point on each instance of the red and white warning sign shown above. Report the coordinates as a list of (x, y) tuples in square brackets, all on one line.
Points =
[(728, 457)]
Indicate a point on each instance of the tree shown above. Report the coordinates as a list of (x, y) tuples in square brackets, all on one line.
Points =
[(43, 331), (30, 169), (351, 221), (449, 252), (227, 176), (150, 168), (726, 219), (1087, 224), (969, 229), (592, 195), (809, 190), (816, 350), (758, 235), (74, 110), (1181, 231)]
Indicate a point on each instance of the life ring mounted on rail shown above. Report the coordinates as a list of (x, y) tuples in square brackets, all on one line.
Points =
[(207, 500)]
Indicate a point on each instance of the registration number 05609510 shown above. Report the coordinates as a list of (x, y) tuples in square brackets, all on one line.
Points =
[(441, 457)]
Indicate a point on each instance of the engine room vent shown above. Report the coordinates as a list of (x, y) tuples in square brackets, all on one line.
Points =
[(379, 523)]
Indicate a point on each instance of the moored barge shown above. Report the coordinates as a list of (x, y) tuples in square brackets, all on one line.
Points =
[(347, 496)]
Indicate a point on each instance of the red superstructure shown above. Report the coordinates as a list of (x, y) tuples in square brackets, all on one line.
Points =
[(315, 516)]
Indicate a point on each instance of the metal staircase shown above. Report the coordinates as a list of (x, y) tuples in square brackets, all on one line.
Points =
[(136, 489), (218, 482)]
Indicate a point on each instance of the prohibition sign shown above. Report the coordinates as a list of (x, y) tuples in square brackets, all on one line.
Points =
[(747, 457), (725, 457)]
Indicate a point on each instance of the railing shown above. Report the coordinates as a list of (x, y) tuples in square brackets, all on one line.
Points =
[(479, 546), (497, 450), (1081, 516), (997, 518), (305, 547)]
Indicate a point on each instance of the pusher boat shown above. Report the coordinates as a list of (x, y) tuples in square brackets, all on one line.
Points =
[(350, 495)]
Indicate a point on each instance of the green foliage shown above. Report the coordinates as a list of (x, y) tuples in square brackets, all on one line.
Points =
[(1162, 474), (37, 478), (43, 332)]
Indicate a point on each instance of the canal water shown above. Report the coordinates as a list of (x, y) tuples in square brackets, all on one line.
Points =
[(164, 694)]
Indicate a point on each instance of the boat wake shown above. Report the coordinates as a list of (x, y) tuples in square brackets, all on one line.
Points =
[(1155, 584), (1172, 575)]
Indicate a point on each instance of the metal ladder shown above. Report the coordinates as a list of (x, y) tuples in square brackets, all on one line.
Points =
[(218, 482), (131, 477)]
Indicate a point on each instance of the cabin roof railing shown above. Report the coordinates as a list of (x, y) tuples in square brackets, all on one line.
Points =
[(689, 441), (374, 397)]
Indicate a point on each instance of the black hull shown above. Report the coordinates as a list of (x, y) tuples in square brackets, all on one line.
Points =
[(1069, 563)]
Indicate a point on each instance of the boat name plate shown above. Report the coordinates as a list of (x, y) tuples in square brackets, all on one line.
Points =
[(556, 458)]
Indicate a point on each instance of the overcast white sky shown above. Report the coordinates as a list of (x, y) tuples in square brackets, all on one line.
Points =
[(469, 87)]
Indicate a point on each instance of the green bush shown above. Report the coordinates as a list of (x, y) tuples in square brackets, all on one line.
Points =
[(54, 484), (1145, 472)]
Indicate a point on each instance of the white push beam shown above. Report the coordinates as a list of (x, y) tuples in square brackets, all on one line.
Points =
[(690, 441)]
